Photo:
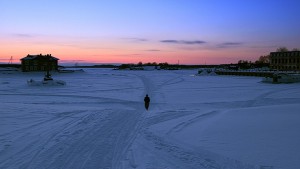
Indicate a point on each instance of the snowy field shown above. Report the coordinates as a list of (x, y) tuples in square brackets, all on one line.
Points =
[(98, 121)]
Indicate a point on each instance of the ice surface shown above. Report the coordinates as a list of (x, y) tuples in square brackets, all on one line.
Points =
[(98, 120)]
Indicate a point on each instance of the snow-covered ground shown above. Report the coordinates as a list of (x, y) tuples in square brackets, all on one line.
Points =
[(98, 121)]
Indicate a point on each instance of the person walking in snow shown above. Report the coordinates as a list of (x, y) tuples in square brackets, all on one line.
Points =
[(147, 101)]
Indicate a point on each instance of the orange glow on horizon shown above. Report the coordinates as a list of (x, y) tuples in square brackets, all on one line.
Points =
[(117, 52)]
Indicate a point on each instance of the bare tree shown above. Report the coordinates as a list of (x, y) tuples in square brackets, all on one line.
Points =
[(264, 59), (295, 49), (140, 64)]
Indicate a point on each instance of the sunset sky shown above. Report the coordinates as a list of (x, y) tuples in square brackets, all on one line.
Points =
[(129, 31)]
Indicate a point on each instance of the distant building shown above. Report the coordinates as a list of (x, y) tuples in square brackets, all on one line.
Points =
[(39, 63), (288, 61)]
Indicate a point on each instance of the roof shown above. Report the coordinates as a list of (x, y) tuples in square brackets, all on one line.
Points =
[(297, 52), (39, 57)]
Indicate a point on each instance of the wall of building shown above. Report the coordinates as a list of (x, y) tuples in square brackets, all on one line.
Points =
[(36, 65), (289, 61)]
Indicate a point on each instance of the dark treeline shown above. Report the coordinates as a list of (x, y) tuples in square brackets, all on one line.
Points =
[(95, 66), (11, 65), (164, 65), (263, 61)]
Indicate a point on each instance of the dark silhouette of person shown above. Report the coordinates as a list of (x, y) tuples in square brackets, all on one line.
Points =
[(147, 101)]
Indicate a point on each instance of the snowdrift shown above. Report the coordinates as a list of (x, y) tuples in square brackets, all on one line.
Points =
[(32, 82)]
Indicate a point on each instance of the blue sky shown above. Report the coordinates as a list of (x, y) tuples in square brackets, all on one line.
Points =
[(194, 31)]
